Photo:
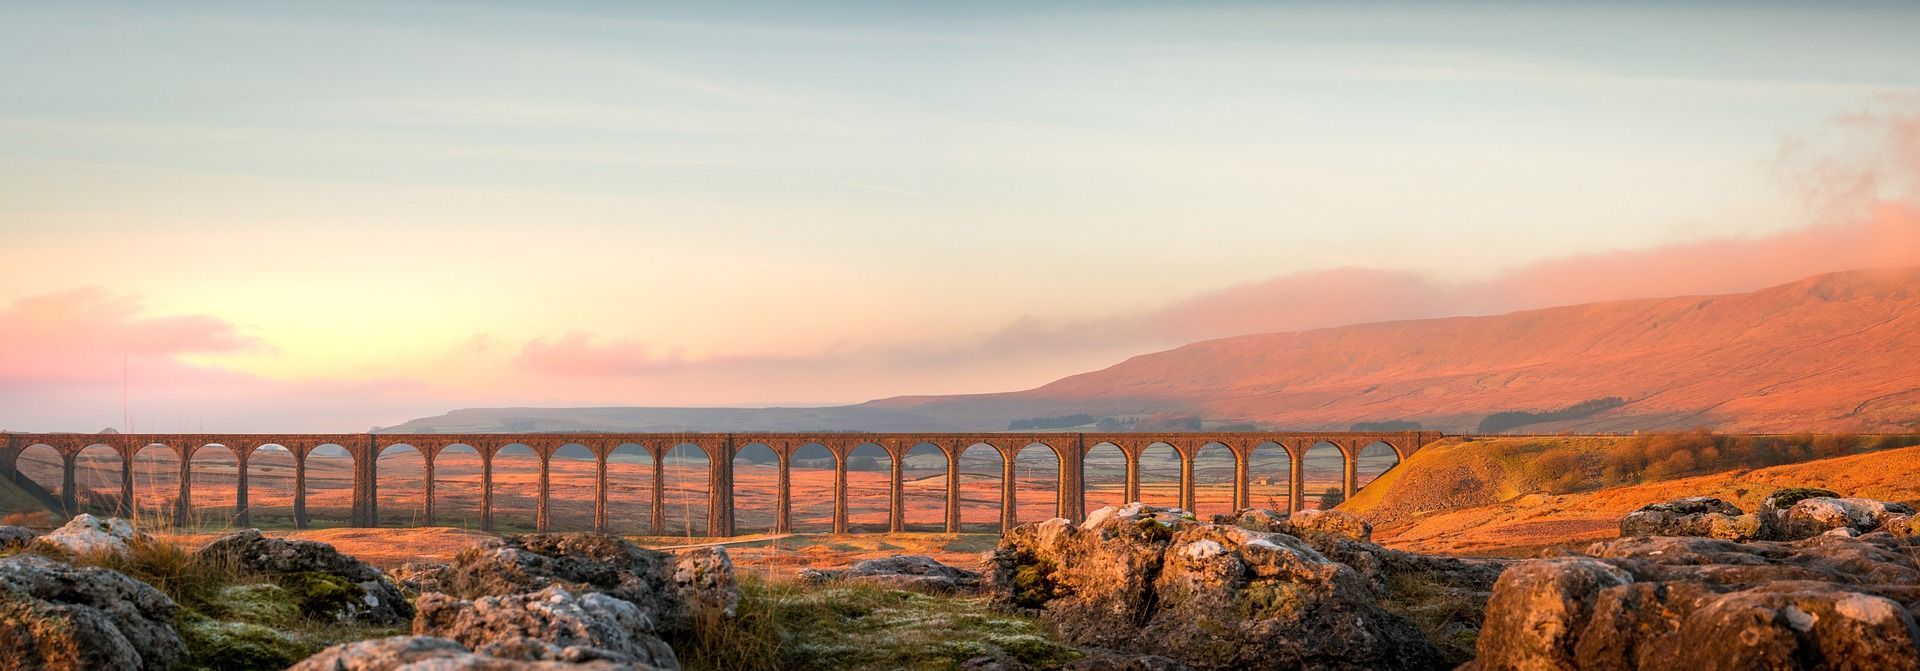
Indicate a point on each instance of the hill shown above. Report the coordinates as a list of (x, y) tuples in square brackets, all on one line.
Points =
[(1489, 497), (1829, 353)]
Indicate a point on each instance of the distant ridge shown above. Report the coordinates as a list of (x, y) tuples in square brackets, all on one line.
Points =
[(1834, 352)]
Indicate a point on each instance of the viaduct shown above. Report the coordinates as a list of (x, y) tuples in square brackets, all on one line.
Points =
[(1069, 449)]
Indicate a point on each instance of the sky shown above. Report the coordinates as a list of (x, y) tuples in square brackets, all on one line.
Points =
[(267, 216)]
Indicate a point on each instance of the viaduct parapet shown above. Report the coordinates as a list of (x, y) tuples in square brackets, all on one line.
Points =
[(1069, 450)]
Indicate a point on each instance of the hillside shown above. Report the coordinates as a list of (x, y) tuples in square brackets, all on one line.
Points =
[(1479, 497), (1829, 353)]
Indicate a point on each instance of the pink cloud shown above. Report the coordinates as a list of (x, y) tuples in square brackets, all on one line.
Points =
[(87, 333)]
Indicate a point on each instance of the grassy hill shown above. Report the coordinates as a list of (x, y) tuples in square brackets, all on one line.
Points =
[(15, 500), (1512, 495)]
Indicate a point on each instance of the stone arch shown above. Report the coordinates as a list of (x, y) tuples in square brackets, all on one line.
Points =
[(1158, 467), (329, 469), (97, 480), (400, 485), (1105, 468), (869, 488), (1270, 476), (923, 469), (810, 470), (516, 488), (270, 486), (214, 482), (1036, 482), (756, 474), (1214, 464), (981, 467), (630, 489), (1374, 460), (1322, 474), (687, 474), (458, 478), (572, 482), (156, 484), (39, 471)]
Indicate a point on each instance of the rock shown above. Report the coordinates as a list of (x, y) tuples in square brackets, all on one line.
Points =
[(1693, 516), (56, 616), (1817, 515), (89, 535), (326, 582), (1155, 581), (1256, 519), (16, 537), (1104, 660), (419, 577), (1831, 601), (1330, 522), (1782, 499), (552, 624), (669, 588), (1904, 526), (907, 572), (427, 653)]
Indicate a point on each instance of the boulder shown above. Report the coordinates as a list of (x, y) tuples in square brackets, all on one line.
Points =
[(326, 582), (56, 616), (88, 535), (669, 588), (909, 572), (1257, 519), (417, 577), (1154, 581), (16, 537), (438, 654), (552, 624), (1782, 499), (1335, 523), (1817, 515), (1694, 516), (1827, 602)]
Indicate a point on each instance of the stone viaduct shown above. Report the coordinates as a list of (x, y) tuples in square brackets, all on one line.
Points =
[(1069, 449)]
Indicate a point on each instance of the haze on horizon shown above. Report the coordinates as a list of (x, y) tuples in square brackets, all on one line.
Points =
[(319, 217)]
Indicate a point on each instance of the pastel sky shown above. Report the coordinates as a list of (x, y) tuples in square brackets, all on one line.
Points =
[(328, 216)]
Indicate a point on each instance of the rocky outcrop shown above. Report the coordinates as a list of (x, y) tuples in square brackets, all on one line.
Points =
[(552, 624), (86, 535), (418, 577), (669, 588), (1334, 523), (1661, 602), (16, 537), (1155, 581), (328, 583), (1694, 516), (909, 572), (56, 616), (438, 654), (1817, 515)]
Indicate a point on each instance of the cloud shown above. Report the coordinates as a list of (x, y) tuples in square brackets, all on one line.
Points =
[(577, 354), (88, 333)]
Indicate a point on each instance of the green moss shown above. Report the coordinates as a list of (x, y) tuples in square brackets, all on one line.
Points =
[(238, 646), (323, 595), (1033, 584), (1152, 530), (262, 603), (1269, 599)]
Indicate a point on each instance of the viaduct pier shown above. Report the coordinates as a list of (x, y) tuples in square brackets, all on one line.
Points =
[(1068, 449)]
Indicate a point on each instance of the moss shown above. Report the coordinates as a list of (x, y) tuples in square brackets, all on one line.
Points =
[(1269, 599), (261, 603), (238, 646), (1152, 530), (323, 595), (1033, 584)]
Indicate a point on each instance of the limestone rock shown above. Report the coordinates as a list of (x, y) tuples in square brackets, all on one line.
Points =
[(1330, 522), (1256, 519), (669, 588), (427, 653), (1820, 514), (1155, 581), (1693, 516), (551, 624), (908, 572), (1827, 602), (12, 537), (1782, 499), (56, 616), (89, 535), (419, 577), (353, 589)]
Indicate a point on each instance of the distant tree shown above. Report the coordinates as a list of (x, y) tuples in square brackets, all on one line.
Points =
[(1502, 421), (1332, 497), (1391, 425)]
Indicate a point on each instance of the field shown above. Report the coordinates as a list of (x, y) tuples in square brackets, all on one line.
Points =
[(516, 480)]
